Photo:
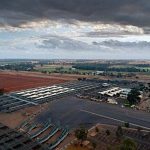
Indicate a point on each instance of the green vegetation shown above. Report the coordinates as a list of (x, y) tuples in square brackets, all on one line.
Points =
[(91, 66), (128, 144), (2, 91), (18, 67), (94, 145), (96, 129), (133, 97), (119, 132), (53, 69), (117, 68), (112, 68), (107, 132), (67, 69), (126, 103), (126, 124), (81, 134), (12, 61)]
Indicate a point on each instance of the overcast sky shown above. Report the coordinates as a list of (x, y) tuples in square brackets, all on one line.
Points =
[(75, 29)]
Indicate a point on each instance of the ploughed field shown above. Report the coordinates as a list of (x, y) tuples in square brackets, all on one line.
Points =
[(16, 82)]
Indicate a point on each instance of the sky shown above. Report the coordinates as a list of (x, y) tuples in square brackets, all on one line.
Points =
[(75, 29)]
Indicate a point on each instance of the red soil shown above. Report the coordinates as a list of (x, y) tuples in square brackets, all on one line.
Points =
[(16, 82)]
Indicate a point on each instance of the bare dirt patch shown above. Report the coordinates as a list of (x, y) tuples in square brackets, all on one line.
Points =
[(14, 119), (12, 81)]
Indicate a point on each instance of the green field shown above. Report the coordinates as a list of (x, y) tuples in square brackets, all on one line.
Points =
[(120, 66), (60, 68), (68, 69)]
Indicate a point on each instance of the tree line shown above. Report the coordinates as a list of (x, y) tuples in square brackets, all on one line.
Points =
[(18, 67), (107, 67)]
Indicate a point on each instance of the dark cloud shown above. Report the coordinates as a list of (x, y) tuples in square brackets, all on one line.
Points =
[(62, 43), (134, 12), (52, 42), (108, 34)]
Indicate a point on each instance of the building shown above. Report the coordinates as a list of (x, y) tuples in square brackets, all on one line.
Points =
[(97, 72), (116, 91), (105, 85), (124, 93), (112, 92)]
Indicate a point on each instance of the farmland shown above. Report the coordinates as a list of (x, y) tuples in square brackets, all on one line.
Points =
[(57, 68), (15, 82), (52, 68), (63, 91)]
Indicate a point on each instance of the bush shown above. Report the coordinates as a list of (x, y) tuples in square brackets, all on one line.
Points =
[(96, 129), (119, 132), (133, 97), (126, 124), (94, 145), (128, 144), (81, 134), (2, 91), (107, 132)]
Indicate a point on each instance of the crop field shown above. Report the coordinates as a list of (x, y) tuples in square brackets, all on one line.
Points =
[(12, 82), (53, 67), (60, 68)]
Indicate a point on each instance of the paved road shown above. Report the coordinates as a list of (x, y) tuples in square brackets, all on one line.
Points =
[(73, 111)]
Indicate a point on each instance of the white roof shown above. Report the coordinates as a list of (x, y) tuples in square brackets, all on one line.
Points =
[(33, 96)]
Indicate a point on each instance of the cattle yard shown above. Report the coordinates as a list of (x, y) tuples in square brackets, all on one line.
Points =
[(17, 100), (48, 126), (11, 139), (47, 133)]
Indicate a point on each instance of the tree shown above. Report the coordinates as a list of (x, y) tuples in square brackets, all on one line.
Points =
[(141, 87), (126, 124), (2, 91), (119, 132), (139, 131), (94, 145), (148, 84), (96, 129), (81, 134), (133, 97), (107, 132), (128, 144), (44, 71)]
